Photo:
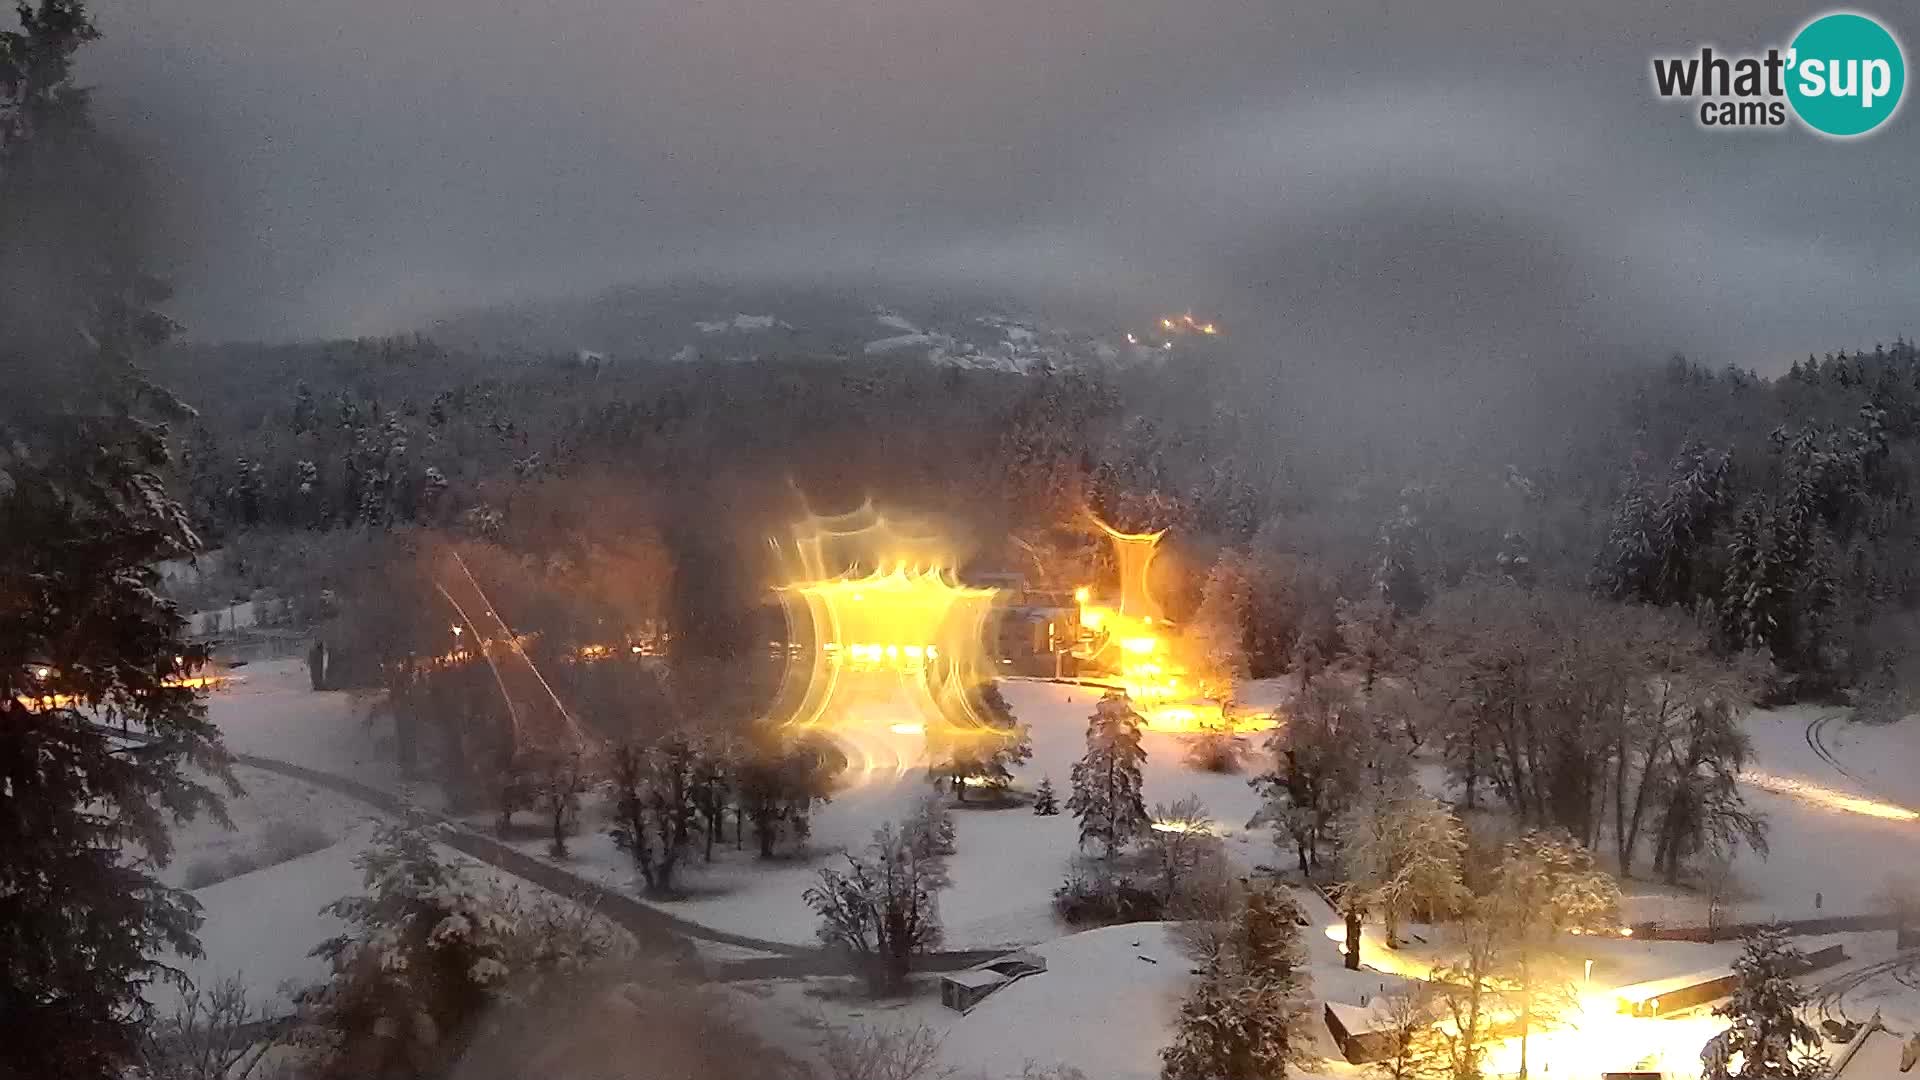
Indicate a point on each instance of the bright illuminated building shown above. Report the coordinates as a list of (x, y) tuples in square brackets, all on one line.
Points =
[(1131, 639), (885, 645)]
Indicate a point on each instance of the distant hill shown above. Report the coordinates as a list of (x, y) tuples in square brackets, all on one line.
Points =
[(715, 322)]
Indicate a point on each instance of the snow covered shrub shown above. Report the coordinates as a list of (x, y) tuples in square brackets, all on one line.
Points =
[(874, 1053), (1095, 895), (1181, 840), (1215, 748), (204, 872), (284, 840), (627, 1023)]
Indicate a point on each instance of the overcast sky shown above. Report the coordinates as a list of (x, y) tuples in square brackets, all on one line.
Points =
[(1378, 173)]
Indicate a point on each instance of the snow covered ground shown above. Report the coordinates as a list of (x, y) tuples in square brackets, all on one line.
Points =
[(1007, 863), (1100, 1007), (1106, 1005), (261, 926), (268, 802), (1824, 860), (271, 710)]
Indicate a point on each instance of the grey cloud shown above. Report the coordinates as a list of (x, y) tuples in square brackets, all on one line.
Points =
[(1359, 173)]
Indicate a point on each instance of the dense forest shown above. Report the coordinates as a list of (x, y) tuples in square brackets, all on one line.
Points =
[(1777, 511)]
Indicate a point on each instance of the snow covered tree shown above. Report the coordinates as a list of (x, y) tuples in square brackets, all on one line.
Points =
[(427, 957), (412, 973), (1546, 884), (1367, 634), (1213, 642), (1655, 549), (1768, 1040), (1400, 853), (930, 828), (1106, 780), (884, 908), (985, 753), (654, 806), (215, 1034), (714, 763), (1418, 1051), (1045, 802), (1314, 772), (1244, 1019), (559, 778), (777, 784), (85, 926)]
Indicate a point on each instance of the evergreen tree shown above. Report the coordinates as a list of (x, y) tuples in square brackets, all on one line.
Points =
[(1106, 795), (84, 925), (1244, 1019), (1768, 1039), (1045, 802)]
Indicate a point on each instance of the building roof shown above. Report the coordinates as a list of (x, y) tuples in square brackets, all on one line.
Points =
[(975, 978)]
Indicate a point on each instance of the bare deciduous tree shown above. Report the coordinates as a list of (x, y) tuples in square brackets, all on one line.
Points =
[(215, 1034)]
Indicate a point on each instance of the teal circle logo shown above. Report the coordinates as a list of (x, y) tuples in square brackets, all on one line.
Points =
[(1846, 76)]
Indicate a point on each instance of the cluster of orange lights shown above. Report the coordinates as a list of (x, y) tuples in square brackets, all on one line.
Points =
[(1129, 638), (1187, 324), (56, 700)]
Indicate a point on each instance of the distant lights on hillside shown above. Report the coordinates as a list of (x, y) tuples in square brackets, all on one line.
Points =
[(1176, 326)]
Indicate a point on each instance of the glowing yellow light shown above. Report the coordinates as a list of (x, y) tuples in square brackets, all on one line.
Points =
[(1166, 324), (1828, 798), (1141, 645), (1626, 931), (1172, 826), (1082, 594), (636, 650), (42, 672), (901, 643)]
